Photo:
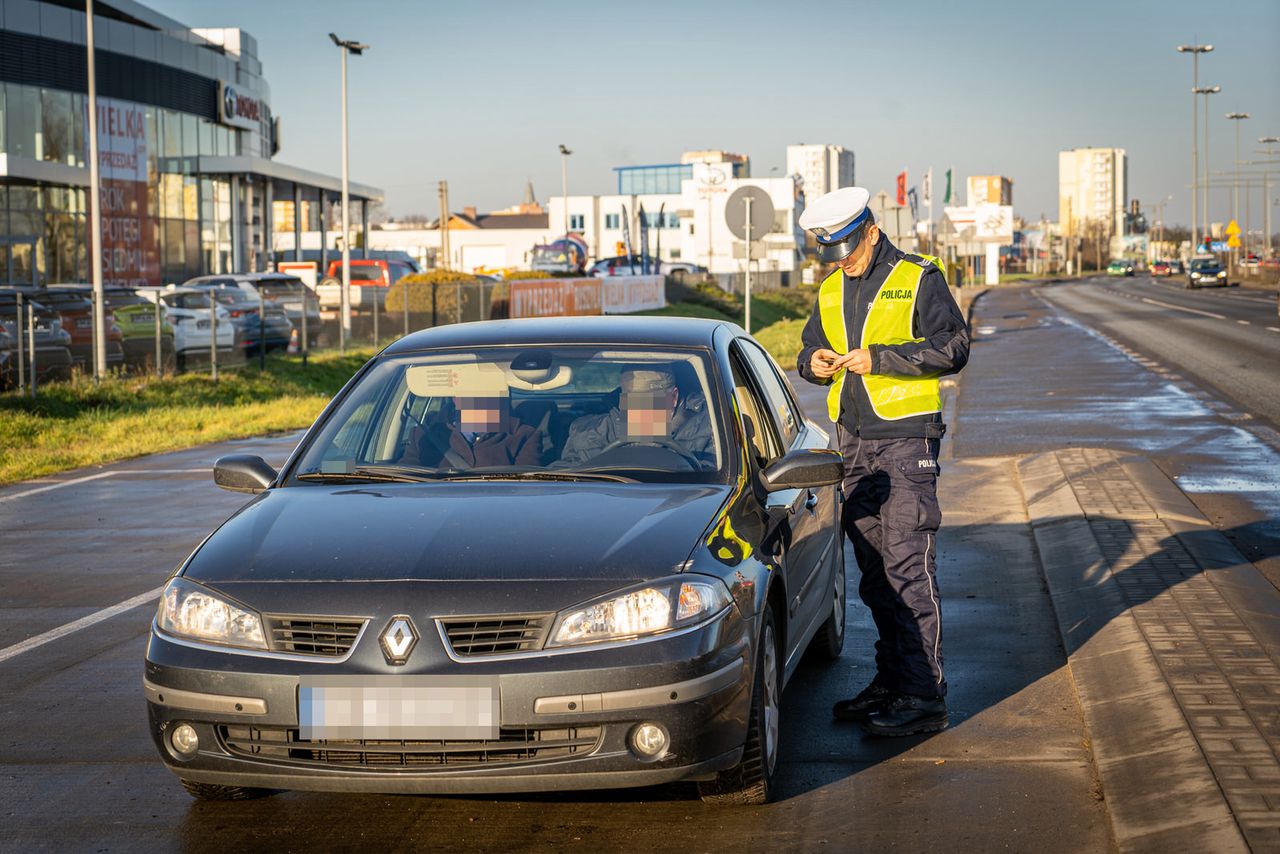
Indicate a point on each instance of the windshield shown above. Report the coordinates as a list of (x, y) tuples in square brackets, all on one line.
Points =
[(542, 412), (364, 273), (1204, 264)]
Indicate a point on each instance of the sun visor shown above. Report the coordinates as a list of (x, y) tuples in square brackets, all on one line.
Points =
[(469, 379)]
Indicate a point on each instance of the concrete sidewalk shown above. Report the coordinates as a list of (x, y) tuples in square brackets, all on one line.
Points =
[(1172, 640)]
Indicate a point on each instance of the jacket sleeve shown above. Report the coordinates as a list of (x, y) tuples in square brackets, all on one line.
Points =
[(811, 339), (937, 319)]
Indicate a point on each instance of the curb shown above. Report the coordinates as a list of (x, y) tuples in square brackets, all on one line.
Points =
[(1137, 730)]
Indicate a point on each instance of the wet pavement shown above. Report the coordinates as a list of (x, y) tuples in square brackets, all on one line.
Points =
[(1047, 371), (78, 770)]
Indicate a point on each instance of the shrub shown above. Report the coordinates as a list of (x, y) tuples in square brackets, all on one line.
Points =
[(435, 291)]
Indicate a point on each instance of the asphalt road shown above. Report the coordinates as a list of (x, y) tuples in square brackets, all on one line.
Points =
[(81, 557), (1189, 378)]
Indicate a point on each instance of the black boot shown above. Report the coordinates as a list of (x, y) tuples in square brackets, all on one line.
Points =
[(869, 699), (906, 714)]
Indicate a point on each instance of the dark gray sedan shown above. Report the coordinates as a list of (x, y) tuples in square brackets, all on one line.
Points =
[(512, 556)]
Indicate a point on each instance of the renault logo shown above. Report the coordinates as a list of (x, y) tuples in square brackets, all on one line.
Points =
[(398, 639)]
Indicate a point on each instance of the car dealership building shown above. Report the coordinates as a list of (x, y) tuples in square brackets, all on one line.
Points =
[(186, 135)]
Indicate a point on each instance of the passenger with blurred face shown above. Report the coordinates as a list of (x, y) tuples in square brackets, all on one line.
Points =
[(485, 434), (650, 407)]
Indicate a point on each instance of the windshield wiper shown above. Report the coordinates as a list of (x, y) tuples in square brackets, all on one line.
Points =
[(388, 474), (544, 475)]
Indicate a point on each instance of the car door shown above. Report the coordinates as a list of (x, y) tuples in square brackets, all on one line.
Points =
[(812, 512)]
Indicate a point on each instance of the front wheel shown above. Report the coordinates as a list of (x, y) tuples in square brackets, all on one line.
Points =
[(750, 782)]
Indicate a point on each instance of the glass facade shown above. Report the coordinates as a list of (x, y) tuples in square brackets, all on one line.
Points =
[(162, 222), (647, 180)]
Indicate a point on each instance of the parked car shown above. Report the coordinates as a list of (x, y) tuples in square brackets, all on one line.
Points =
[(1160, 269), (641, 605), (1206, 272), (1120, 267), (633, 265), (288, 292), (259, 322), (370, 278), (135, 316), (1176, 268), (75, 309), (53, 343), (1250, 261), (188, 311)]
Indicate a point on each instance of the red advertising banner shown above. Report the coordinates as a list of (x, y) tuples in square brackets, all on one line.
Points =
[(555, 297), (130, 246), (902, 187)]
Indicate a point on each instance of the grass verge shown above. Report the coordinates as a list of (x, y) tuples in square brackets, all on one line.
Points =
[(74, 424)]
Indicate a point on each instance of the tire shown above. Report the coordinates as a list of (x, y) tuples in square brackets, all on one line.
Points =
[(215, 792), (829, 641), (750, 782)]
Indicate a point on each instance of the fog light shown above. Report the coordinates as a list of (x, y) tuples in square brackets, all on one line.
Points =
[(648, 740), (184, 740)]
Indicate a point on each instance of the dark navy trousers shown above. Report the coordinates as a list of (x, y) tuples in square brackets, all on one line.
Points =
[(891, 516)]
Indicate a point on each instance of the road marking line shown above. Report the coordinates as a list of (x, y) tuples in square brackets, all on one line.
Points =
[(1184, 308), (61, 483), (58, 485), (1273, 328), (1243, 322), (76, 625)]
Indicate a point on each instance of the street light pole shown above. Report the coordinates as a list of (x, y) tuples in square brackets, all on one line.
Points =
[(1195, 50), (1237, 117), (564, 184), (1268, 141), (1204, 206), (346, 46), (95, 211)]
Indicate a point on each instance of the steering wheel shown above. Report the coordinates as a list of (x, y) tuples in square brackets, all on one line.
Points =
[(656, 441)]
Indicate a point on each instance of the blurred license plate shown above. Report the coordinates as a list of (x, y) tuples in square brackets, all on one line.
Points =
[(148, 317), (84, 323), (409, 707), (202, 324)]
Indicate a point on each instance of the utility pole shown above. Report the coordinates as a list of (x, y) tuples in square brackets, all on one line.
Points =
[(1268, 141), (444, 226), (346, 46), (1195, 50), (1235, 253), (564, 184), (95, 212)]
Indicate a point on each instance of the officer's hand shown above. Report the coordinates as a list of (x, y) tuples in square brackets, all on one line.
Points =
[(858, 361), (823, 363)]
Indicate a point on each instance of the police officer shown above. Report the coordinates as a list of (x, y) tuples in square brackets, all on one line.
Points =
[(884, 329)]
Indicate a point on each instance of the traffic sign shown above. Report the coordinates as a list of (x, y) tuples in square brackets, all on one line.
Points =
[(1233, 228), (1233, 241), (761, 207)]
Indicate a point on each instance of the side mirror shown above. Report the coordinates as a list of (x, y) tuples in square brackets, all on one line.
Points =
[(803, 468), (244, 473)]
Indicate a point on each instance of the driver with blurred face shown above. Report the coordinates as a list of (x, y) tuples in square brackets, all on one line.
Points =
[(650, 411)]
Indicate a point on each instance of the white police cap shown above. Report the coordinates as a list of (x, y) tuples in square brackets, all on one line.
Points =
[(838, 220)]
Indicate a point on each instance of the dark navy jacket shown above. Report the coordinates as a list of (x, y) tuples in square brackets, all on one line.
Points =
[(937, 319)]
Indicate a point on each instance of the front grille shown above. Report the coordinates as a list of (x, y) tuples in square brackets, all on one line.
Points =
[(496, 635), (320, 636), (512, 745)]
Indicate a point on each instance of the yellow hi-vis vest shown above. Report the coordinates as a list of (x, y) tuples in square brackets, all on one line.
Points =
[(888, 321)]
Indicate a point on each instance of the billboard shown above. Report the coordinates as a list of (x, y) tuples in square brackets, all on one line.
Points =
[(130, 246), (993, 223), (989, 190), (588, 296), (238, 109)]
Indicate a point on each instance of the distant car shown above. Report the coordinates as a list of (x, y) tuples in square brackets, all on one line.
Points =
[(188, 310), (53, 343), (75, 308), (135, 315), (1250, 262), (259, 322), (372, 271), (633, 265), (1176, 268), (1120, 267), (288, 292), (1206, 272), (1160, 269)]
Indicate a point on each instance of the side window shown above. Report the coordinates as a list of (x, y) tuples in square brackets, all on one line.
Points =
[(781, 406), (756, 423)]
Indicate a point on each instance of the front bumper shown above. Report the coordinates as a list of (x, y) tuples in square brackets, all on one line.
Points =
[(565, 719)]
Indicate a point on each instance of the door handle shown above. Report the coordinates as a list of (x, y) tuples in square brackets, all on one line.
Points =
[(811, 503)]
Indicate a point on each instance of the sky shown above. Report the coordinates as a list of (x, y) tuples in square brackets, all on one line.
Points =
[(481, 93)]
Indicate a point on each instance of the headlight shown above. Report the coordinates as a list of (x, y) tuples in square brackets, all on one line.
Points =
[(648, 610), (191, 611), (1195, 275), (1222, 274)]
